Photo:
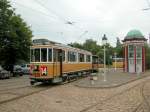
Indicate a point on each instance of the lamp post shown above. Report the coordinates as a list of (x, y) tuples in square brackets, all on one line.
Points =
[(104, 42)]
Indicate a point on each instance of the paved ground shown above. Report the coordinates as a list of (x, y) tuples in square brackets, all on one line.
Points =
[(131, 97), (17, 87), (113, 79)]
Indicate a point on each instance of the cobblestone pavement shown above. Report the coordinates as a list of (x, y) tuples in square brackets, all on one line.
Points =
[(145, 106), (69, 98), (17, 87)]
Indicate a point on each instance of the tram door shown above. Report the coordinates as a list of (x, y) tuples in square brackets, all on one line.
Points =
[(57, 64)]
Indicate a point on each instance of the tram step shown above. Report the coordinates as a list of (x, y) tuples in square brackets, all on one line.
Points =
[(57, 80)]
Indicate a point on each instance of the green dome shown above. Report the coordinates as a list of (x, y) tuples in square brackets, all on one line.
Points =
[(134, 34)]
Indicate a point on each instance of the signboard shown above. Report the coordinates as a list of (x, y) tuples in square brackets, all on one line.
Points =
[(43, 70)]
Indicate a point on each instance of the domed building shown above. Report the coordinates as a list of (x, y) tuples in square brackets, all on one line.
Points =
[(134, 52)]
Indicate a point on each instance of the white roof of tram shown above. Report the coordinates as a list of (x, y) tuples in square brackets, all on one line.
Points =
[(46, 42)]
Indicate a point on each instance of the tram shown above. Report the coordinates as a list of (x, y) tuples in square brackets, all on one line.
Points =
[(117, 62), (55, 62)]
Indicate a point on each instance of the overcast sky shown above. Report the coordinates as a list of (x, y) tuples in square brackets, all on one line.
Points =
[(91, 18)]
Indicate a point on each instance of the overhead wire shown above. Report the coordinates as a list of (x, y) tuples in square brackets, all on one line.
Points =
[(42, 5), (50, 16), (24, 6), (60, 17)]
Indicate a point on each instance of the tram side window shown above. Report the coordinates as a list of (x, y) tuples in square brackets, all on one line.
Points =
[(37, 55), (72, 56), (63, 55), (56, 55), (50, 55), (81, 57), (88, 58), (44, 54), (94, 60)]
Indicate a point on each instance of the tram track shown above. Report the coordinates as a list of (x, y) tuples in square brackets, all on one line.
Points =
[(141, 86), (11, 85), (144, 103), (140, 106), (3, 90), (31, 93), (120, 93), (24, 95), (13, 79), (145, 100), (11, 82)]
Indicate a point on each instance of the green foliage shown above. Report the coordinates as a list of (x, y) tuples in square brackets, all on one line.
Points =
[(91, 46), (119, 49), (147, 57), (76, 45), (15, 36)]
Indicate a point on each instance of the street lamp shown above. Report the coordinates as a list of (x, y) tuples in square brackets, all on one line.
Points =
[(104, 42)]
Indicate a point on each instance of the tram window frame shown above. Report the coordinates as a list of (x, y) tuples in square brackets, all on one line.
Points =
[(50, 55), (72, 56), (54, 55), (43, 56), (95, 60), (81, 57), (63, 55), (37, 56), (88, 58)]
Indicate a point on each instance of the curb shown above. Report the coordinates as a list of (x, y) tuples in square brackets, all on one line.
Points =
[(111, 86)]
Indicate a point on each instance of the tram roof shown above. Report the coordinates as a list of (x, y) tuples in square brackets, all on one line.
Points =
[(46, 42)]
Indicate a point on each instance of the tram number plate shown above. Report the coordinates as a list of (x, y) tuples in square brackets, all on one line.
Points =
[(44, 70)]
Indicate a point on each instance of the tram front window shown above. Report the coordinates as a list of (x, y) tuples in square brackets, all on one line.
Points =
[(44, 54), (37, 55), (50, 55)]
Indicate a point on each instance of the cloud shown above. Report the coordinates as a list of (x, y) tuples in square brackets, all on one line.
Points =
[(114, 18)]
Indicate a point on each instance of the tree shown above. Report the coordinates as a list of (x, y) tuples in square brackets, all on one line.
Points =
[(76, 45), (118, 44), (15, 37), (147, 64), (119, 49), (91, 46)]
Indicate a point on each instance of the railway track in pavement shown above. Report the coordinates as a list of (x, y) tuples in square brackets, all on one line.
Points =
[(38, 89), (144, 106), (122, 92)]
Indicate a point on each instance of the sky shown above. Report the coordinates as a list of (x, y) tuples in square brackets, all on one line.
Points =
[(91, 19)]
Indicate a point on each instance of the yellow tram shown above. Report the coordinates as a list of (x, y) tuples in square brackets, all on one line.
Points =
[(117, 62), (55, 62)]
